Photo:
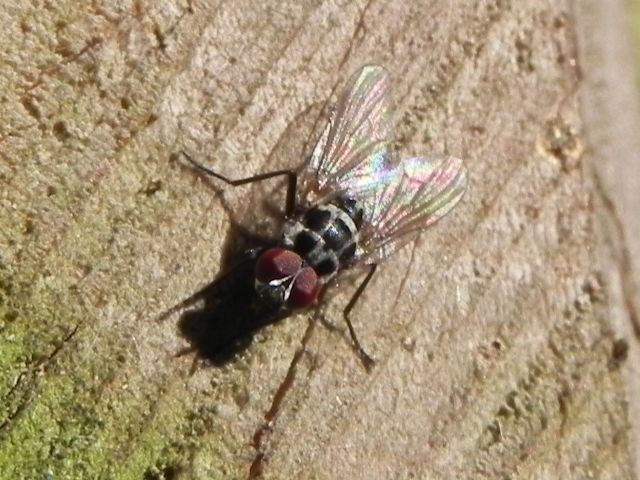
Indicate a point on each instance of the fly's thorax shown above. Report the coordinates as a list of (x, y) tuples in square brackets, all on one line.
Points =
[(325, 236)]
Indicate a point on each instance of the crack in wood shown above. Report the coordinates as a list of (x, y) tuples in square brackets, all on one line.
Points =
[(257, 441), (625, 270), (324, 111), (6, 424), (91, 43)]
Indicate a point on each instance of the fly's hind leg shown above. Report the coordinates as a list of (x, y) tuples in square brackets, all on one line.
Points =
[(367, 360)]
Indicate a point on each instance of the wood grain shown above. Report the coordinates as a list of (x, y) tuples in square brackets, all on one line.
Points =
[(496, 354)]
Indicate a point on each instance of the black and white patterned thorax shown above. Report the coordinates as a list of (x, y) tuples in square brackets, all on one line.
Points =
[(325, 236)]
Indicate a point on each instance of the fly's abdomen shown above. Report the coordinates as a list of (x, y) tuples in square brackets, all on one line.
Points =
[(325, 236)]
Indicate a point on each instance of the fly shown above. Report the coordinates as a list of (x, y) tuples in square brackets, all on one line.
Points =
[(351, 204)]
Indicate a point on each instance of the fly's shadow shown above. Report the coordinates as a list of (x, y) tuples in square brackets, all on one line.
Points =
[(229, 312)]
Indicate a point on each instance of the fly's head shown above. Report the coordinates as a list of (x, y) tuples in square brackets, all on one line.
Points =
[(283, 279)]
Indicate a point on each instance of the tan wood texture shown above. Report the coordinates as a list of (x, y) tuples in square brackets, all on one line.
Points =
[(501, 335)]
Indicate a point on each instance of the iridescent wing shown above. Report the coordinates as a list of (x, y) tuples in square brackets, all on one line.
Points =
[(410, 197), (354, 146)]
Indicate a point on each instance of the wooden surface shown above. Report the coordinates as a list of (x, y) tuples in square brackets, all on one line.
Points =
[(500, 335), (610, 108)]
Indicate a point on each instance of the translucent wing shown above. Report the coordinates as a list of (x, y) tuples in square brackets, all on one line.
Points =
[(354, 145), (410, 197)]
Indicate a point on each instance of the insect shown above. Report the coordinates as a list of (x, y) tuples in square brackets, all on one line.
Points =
[(351, 204)]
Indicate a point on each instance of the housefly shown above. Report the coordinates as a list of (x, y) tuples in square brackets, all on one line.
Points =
[(351, 204)]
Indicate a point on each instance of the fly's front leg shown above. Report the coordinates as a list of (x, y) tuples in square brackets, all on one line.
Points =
[(367, 360), (292, 180)]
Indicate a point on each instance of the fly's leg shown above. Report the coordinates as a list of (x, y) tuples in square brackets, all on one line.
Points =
[(367, 360), (292, 180)]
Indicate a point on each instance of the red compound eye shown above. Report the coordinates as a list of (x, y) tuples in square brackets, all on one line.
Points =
[(277, 263), (304, 290)]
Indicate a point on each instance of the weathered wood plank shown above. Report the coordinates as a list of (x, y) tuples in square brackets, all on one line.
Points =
[(496, 358)]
